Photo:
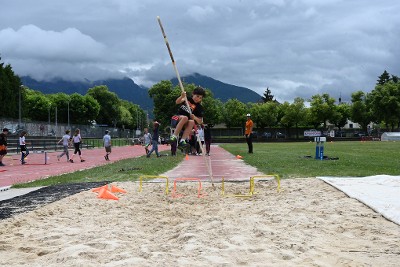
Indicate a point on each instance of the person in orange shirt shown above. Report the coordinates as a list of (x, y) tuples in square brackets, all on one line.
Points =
[(248, 133)]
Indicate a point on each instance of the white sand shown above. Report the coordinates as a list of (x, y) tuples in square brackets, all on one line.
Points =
[(310, 223)]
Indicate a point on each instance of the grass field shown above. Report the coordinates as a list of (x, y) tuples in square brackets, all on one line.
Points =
[(286, 159), (355, 158)]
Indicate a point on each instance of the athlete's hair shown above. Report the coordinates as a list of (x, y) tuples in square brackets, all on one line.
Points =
[(199, 91)]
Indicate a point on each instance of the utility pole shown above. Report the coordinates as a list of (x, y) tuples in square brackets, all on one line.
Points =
[(19, 108), (68, 114)]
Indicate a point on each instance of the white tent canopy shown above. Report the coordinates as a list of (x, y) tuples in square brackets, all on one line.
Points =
[(390, 136)]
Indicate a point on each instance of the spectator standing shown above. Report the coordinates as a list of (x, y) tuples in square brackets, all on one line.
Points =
[(3, 145), (107, 144), (248, 133), (207, 138), (200, 136)]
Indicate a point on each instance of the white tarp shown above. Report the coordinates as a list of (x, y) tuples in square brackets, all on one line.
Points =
[(380, 192)]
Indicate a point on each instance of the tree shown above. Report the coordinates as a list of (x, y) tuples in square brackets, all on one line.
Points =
[(384, 78), (61, 100), (35, 105), (395, 79), (109, 105), (264, 114), (341, 115), (385, 103), (164, 96), (267, 96), (213, 109), (9, 92), (135, 118), (294, 114), (360, 110), (234, 113), (322, 109), (93, 109)]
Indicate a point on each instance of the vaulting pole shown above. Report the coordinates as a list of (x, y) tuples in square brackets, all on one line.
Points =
[(208, 163)]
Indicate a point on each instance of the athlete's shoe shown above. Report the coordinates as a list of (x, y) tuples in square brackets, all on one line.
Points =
[(182, 145), (172, 138)]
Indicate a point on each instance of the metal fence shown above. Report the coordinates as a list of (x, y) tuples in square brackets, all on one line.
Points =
[(39, 128)]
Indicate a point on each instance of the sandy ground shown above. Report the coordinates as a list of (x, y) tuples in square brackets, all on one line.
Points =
[(309, 223)]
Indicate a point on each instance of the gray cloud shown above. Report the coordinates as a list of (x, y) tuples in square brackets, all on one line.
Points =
[(296, 48)]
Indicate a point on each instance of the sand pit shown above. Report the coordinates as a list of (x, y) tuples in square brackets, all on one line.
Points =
[(310, 223)]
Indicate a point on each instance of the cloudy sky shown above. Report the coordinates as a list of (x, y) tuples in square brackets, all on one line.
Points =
[(297, 48)]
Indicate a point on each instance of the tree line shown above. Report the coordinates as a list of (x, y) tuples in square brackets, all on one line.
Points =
[(381, 106)]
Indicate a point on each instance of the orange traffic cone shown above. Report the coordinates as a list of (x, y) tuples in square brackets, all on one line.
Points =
[(115, 189), (187, 157), (105, 194), (239, 157), (99, 188)]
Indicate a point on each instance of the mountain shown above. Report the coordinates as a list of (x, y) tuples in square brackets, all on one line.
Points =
[(125, 88), (222, 91)]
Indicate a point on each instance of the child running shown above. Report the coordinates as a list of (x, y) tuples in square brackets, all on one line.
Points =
[(65, 140), (22, 145), (187, 118), (77, 139), (147, 140)]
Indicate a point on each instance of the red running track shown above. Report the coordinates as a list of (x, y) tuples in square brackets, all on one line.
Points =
[(36, 168)]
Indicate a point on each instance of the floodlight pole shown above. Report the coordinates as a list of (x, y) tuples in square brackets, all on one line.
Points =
[(19, 108)]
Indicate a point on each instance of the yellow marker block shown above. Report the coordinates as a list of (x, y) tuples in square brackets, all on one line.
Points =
[(223, 191), (153, 177), (252, 184)]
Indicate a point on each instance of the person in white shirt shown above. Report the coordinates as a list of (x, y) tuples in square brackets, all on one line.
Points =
[(147, 140), (22, 145), (65, 140), (200, 136), (107, 144), (77, 140)]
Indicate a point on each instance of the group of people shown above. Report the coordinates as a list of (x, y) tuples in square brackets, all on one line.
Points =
[(200, 136), (76, 140), (67, 140)]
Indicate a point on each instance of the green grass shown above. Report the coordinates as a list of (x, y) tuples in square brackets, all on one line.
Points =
[(286, 159), (123, 170), (355, 158)]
